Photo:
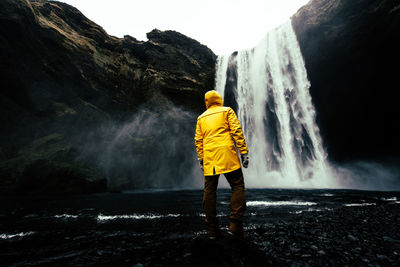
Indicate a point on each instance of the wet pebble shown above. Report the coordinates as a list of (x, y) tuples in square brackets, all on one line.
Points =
[(294, 249), (382, 257), (34, 215), (352, 238)]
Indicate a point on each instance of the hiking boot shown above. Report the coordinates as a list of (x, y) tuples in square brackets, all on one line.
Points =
[(213, 231), (236, 229)]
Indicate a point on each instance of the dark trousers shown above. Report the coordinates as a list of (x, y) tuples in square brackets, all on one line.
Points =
[(238, 199)]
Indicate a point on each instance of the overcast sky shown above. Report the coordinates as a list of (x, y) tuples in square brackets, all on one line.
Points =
[(222, 25)]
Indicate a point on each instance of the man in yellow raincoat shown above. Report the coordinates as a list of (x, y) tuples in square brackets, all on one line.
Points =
[(217, 131)]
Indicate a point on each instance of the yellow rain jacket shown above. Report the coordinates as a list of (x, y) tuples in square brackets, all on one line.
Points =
[(216, 129)]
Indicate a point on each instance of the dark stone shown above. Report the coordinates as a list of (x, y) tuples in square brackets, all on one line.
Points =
[(48, 177), (226, 251), (63, 74), (351, 51), (352, 238)]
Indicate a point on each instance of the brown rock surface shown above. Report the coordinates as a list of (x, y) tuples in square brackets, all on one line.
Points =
[(62, 74)]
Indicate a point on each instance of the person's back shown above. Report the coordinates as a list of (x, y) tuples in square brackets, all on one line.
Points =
[(217, 131)]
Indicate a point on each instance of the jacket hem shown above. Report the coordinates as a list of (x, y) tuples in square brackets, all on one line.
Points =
[(222, 172)]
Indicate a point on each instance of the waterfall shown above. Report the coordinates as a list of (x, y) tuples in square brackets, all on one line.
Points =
[(268, 88)]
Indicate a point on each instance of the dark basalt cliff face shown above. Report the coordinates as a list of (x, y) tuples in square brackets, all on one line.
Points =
[(62, 75), (352, 55)]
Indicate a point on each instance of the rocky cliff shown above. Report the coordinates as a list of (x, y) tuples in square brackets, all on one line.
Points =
[(351, 51), (64, 80)]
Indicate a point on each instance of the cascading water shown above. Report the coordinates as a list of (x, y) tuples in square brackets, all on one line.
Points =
[(268, 88)]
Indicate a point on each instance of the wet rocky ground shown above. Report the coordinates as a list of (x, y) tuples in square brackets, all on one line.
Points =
[(358, 236), (165, 228)]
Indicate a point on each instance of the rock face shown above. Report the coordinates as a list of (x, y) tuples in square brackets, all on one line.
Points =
[(62, 75), (351, 51)]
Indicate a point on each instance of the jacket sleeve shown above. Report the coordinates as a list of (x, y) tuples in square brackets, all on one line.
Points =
[(198, 141), (236, 132)]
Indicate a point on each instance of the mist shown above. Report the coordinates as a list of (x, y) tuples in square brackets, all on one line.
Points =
[(368, 175), (151, 149)]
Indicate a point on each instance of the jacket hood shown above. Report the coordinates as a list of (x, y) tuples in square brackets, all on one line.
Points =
[(213, 98)]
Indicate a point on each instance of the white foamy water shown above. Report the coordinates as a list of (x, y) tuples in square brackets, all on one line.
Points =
[(222, 65), (309, 210), (276, 113), (65, 216), (359, 204), (10, 236), (389, 199), (327, 195), (220, 214), (279, 203), (101, 217)]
